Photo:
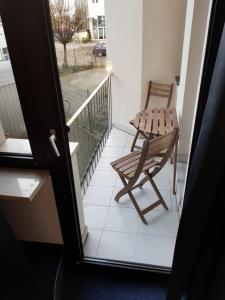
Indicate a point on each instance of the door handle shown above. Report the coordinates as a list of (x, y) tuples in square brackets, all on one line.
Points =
[(52, 140)]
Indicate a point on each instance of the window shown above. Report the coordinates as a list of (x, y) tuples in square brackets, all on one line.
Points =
[(101, 21), (5, 50)]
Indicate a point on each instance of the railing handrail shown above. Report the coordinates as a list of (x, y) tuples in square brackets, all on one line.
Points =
[(73, 118)]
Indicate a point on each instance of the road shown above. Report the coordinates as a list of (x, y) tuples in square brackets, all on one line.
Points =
[(75, 86)]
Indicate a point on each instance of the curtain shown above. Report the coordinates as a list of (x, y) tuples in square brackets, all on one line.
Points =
[(199, 258)]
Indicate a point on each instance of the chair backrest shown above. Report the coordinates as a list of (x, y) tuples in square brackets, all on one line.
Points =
[(163, 144), (159, 90)]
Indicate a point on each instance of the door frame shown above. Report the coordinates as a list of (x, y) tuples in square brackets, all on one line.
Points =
[(36, 77), (40, 65)]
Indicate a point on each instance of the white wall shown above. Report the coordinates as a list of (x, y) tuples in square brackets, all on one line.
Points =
[(196, 31), (163, 31), (144, 42), (96, 9), (193, 55), (124, 46)]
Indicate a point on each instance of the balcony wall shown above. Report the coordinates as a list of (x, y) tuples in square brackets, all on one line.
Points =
[(163, 31), (124, 23), (196, 31), (144, 42)]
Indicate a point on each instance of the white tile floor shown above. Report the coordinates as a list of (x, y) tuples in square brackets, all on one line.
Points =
[(115, 229)]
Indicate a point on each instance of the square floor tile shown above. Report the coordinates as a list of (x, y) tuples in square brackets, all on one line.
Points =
[(122, 219), (104, 164), (163, 181), (125, 200), (167, 169), (116, 142), (126, 151), (118, 181), (117, 246), (95, 216), (115, 152), (98, 195), (117, 133), (130, 139), (104, 178), (154, 250), (148, 197), (159, 223), (92, 242)]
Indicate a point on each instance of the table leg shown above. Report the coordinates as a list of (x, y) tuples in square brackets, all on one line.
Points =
[(175, 167)]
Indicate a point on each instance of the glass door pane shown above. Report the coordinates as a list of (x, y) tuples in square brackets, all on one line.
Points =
[(13, 132)]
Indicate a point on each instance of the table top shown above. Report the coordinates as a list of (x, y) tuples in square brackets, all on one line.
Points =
[(156, 120)]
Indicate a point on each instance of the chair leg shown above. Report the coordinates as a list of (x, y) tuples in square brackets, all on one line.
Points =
[(175, 168), (126, 190), (157, 192), (123, 191), (134, 141)]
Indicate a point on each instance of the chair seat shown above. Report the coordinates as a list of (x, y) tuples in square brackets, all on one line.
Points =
[(127, 165)]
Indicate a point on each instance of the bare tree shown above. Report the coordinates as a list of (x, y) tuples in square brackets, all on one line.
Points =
[(66, 21)]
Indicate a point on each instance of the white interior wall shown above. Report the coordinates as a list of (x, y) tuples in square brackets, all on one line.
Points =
[(124, 50), (163, 31)]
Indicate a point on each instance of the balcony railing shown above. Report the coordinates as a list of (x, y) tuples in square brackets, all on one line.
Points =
[(90, 126)]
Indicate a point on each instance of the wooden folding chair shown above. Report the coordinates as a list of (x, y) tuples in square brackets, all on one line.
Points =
[(159, 90), (131, 166)]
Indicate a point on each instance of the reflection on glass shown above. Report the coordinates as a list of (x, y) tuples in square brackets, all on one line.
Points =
[(13, 133), (81, 60)]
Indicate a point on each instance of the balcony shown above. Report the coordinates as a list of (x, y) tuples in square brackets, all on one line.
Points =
[(115, 230), (101, 127)]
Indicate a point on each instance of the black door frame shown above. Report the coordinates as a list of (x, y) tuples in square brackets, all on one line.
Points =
[(36, 75), (37, 81), (214, 35)]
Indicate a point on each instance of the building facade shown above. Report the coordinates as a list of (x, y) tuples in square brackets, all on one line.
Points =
[(4, 55), (96, 19)]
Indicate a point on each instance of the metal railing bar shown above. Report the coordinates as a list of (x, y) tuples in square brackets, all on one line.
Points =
[(71, 120)]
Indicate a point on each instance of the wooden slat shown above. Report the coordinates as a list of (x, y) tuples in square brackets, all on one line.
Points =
[(127, 161), (146, 168), (129, 165), (156, 121), (151, 207), (142, 121), (168, 120), (136, 121), (161, 143), (160, 90), (131, 155), (155, 127), (162, 122), (161, 85), (134, 167), (174, 117), (148, 128), (160, 95)]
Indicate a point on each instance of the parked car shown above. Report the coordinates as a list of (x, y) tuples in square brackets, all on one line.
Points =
[(99, 49)]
